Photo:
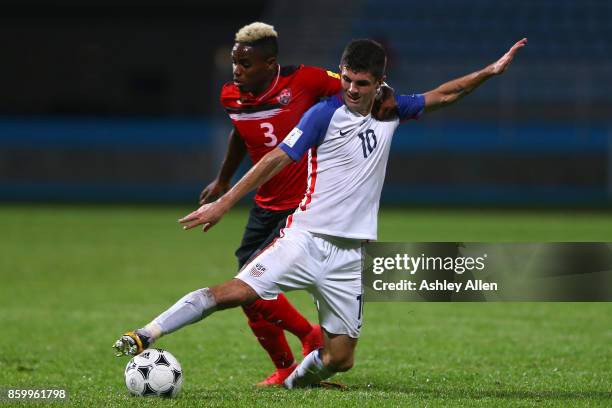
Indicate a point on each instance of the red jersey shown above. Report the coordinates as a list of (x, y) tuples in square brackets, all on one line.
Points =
[(264, 120)]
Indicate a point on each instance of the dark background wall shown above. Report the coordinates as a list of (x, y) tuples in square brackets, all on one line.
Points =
[(115, 57), (116, 101)]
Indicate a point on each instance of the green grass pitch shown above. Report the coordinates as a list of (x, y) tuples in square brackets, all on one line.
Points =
[(74, 277)]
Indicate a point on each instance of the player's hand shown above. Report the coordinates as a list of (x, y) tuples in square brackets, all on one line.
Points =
[(207, 215), (385, 106), (501, 64), (213, 191)]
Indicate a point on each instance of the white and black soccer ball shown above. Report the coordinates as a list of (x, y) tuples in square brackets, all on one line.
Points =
[(154, 372)]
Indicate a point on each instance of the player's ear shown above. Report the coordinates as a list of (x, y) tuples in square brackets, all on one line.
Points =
[(379, 84), (381, 81), (271, 62)]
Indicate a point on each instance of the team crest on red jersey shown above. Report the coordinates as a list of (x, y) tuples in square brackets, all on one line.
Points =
[(285, 96)]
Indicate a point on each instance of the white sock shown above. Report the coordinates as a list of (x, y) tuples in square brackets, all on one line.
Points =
[(311, 371), (191, 308), (153, 331)]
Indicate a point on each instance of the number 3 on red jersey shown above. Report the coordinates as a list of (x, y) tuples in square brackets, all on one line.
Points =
[(271, 139)]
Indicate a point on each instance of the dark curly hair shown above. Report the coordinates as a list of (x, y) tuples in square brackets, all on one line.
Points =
[(365, 56)]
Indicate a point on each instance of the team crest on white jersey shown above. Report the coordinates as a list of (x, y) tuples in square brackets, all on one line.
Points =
[(257, 270), (285, 96)]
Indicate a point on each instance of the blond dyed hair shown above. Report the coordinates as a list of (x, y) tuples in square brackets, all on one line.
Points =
[(255, 32)]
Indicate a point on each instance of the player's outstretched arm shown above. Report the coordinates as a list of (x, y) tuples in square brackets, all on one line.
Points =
[(210, 214), (456, 89), (236, 150)]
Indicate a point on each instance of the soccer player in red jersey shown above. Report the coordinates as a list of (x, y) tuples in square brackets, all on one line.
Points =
[(265, 101)]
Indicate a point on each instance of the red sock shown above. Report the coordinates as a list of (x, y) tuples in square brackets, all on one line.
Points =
[(272, 339), (283, 314)]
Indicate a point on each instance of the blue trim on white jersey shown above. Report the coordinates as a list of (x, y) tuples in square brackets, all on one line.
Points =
[(312, 128), (410, 106)]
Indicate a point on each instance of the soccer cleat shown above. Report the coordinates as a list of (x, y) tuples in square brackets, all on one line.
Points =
[(131, 343), (278, 377), (313, 340)]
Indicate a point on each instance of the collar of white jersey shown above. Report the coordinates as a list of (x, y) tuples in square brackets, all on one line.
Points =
[(356, 114)]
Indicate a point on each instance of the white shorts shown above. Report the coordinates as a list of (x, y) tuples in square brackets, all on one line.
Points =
[(327, 267)]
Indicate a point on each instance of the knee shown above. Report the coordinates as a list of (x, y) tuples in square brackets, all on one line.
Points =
[(242, 294), (233, 293)]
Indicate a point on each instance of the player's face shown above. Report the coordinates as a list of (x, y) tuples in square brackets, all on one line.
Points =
[(359, 90), (252, 72)]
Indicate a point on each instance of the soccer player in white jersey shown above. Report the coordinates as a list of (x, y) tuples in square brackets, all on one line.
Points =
[(319, 250)]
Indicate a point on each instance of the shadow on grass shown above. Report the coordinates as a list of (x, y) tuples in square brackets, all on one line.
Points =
[(241, 395), (480, 394)]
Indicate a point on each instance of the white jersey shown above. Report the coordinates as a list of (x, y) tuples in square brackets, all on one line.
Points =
[(347, 160)]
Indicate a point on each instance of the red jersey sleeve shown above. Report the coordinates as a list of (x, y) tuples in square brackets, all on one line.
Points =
[(323, 83)]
